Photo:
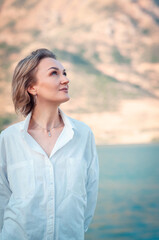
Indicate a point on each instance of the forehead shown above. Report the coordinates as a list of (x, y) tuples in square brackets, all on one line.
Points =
[(47, 63)]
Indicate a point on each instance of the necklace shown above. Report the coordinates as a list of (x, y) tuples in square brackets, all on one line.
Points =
[(49, 130)]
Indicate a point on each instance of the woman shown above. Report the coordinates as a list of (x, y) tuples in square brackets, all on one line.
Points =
[(49, 168)]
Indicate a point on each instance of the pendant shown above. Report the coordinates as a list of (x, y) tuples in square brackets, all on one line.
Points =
[(49, 133)]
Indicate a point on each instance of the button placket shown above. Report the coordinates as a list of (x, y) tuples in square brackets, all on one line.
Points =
[(51, 201)]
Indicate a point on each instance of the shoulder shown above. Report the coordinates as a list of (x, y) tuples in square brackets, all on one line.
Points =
[(13, 129), (80, 126)]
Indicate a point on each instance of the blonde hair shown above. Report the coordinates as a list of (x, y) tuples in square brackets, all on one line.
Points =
[(23, 77)]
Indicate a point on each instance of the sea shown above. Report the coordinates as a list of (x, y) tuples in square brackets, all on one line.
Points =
[(128, 195)]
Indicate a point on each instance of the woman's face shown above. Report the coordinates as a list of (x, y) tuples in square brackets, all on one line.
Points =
[(51, 82)]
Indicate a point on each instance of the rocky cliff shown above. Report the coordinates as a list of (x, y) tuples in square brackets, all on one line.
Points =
[(110, 50)]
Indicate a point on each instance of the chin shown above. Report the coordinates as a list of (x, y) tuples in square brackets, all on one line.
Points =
[(65, 99)]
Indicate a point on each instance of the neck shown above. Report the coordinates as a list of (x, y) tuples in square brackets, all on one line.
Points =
[(46, 117)]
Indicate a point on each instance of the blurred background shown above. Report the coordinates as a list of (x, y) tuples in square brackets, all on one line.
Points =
[(110, 50)]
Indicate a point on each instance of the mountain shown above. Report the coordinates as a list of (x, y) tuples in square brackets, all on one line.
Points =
[(110, 50)]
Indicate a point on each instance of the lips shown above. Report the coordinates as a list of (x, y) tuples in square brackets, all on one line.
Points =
[(63, 89)]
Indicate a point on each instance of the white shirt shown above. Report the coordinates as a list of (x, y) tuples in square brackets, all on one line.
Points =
[(47, 198)]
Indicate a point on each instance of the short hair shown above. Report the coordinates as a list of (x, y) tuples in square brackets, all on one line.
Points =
[(23, 77)]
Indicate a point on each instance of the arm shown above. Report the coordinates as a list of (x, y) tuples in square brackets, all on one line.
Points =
[(4, 185), (92, 183)]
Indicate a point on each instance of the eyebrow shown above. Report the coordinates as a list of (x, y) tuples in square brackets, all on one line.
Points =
[(56, 68)]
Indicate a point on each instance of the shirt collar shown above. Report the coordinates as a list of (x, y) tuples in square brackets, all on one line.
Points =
[(67, 121)]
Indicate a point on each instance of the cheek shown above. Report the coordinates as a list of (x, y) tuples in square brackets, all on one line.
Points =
[(48, 86), (48, 90)]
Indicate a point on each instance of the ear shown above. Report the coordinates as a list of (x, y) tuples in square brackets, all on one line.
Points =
[(32, 90)]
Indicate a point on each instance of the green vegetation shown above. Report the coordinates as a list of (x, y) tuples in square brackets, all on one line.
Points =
[(96, 56), (1, 2), (146, 31), (7, 49), (109, 8), (11, 24), (113, 90), (19, 3), (118, 58), (78, 60), (24, 3), (151, 54), (35, 32), (6, 120)]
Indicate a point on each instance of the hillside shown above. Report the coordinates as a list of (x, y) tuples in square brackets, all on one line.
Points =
[(110, 50)]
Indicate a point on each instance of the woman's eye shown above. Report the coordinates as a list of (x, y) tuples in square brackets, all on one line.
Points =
[(65, 73), (54, 73)]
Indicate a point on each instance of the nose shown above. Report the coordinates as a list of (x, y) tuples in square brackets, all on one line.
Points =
[(64, 80)]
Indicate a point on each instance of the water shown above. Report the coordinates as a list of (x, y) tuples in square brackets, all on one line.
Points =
[(128, 202)]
